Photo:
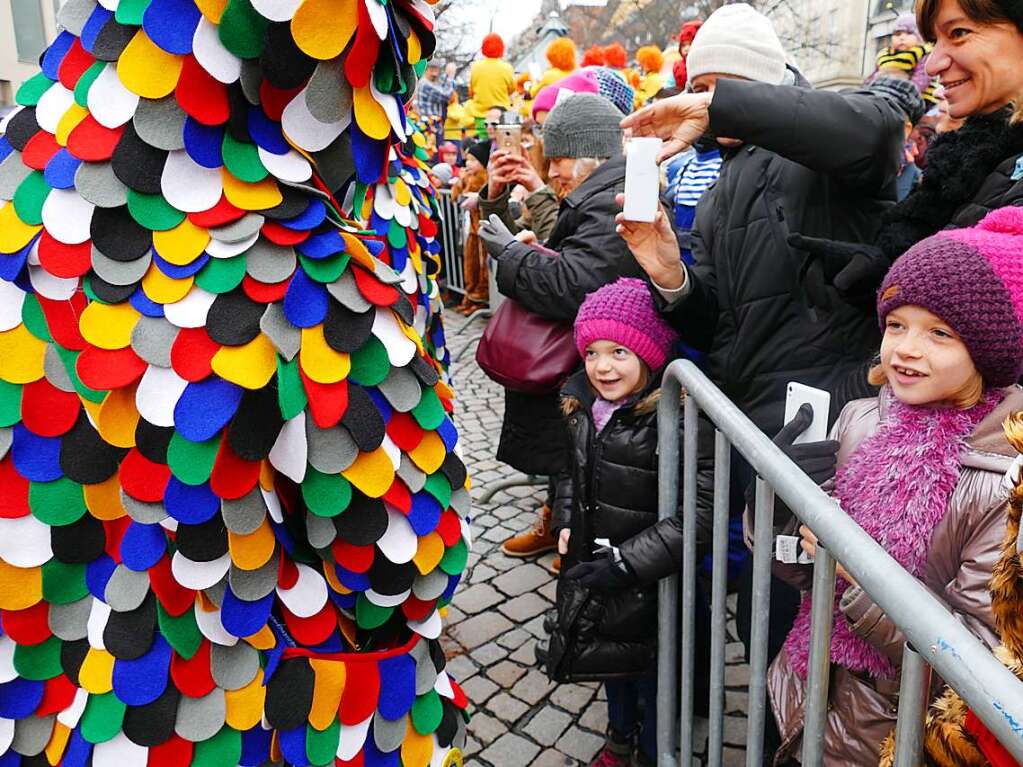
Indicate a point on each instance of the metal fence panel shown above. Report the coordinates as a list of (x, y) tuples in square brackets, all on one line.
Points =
[(452, 237), (962, 660)]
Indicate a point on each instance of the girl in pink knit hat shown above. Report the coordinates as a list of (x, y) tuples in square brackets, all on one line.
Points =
[(920, 468), (605, 515)]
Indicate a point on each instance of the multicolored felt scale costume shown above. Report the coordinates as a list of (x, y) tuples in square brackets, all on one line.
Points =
[(231, 502)]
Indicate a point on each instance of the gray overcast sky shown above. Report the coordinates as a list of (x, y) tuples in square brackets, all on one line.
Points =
[(512, 16)]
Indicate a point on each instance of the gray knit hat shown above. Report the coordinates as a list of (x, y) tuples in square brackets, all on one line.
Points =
[(739, 41), (583, 125)]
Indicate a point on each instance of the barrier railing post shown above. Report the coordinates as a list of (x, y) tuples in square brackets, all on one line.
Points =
[(914, 696), (763, 551), (719, 593), (667, 595), (690, 435), (819, 666)]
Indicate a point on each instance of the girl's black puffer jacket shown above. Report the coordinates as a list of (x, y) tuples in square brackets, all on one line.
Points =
[(609, 491)]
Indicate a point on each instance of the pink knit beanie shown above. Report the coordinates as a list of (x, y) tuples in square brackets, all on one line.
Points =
[(972, 279), (583, 81), (624, 312)]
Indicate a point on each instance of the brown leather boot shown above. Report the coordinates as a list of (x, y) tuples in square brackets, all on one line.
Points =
[(555, 566), (536, 540)]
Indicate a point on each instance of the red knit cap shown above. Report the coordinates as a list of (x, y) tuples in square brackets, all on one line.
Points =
[(493, 46)]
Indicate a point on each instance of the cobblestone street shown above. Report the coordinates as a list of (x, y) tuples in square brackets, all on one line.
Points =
[(519, 718)]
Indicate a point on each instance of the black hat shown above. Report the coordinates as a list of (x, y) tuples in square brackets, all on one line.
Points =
[(481, 151)]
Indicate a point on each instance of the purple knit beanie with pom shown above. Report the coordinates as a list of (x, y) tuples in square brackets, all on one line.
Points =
[(624, 312), (972, 279)]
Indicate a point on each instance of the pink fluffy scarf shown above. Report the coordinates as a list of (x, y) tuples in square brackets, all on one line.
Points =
[(896, 486)]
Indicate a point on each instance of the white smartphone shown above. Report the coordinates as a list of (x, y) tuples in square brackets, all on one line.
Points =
[(642, 179), (798, 395)]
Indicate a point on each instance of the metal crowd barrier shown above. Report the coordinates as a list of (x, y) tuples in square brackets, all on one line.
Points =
[(452, 234), (941, 642)]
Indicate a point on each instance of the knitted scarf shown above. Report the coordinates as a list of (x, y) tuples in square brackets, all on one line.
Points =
[(958, 163), (896, 486)]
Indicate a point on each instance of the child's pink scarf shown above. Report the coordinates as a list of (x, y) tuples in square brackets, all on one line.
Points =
[(896, 486)]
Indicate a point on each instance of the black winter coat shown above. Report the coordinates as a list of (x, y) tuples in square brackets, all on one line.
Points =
[(970, 172), (592, 254), (819, 163), (609, 491)]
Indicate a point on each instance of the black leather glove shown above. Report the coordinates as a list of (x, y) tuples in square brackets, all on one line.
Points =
[(818, 460), (854, 269), (602, 574), (495, 236)]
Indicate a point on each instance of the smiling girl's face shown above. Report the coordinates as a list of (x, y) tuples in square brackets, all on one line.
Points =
[(614, 371), (923, 359)]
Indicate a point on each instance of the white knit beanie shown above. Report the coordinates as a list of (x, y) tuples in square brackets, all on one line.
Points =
[(739, 41)]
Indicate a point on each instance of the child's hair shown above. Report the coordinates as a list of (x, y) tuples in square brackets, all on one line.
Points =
[(969, 396)]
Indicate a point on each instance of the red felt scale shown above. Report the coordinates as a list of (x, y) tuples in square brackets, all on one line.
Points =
[(114, 530), (449, 529), (357, 559), (416, 609), (74, 64), (13, 491), (62, 260), (287, 574), (374, 291), (363, 55), (62, 319), (310, 632), (48, 411), (273, 100), (92, 142), (327, 402), (200, 95), (193, 676), (427, 226), (102, 369), (58, 695), (405, 432), (362, 690), (220, 214), (39, 150), (143, 479), (398, 496), (192, 354), (27, 627), (174, 597), (232, 476), (176, 752), (262, 293), (281, 235)]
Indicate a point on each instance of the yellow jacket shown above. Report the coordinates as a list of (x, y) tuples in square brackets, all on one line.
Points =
[(649, 87), (551, 76), (491, 84), (458, 119)]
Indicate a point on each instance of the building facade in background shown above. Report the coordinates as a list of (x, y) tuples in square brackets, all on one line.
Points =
[(835, 42), (26, 28)]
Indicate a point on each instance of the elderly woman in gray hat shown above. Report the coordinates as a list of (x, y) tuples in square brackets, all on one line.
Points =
[(583, 141)]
